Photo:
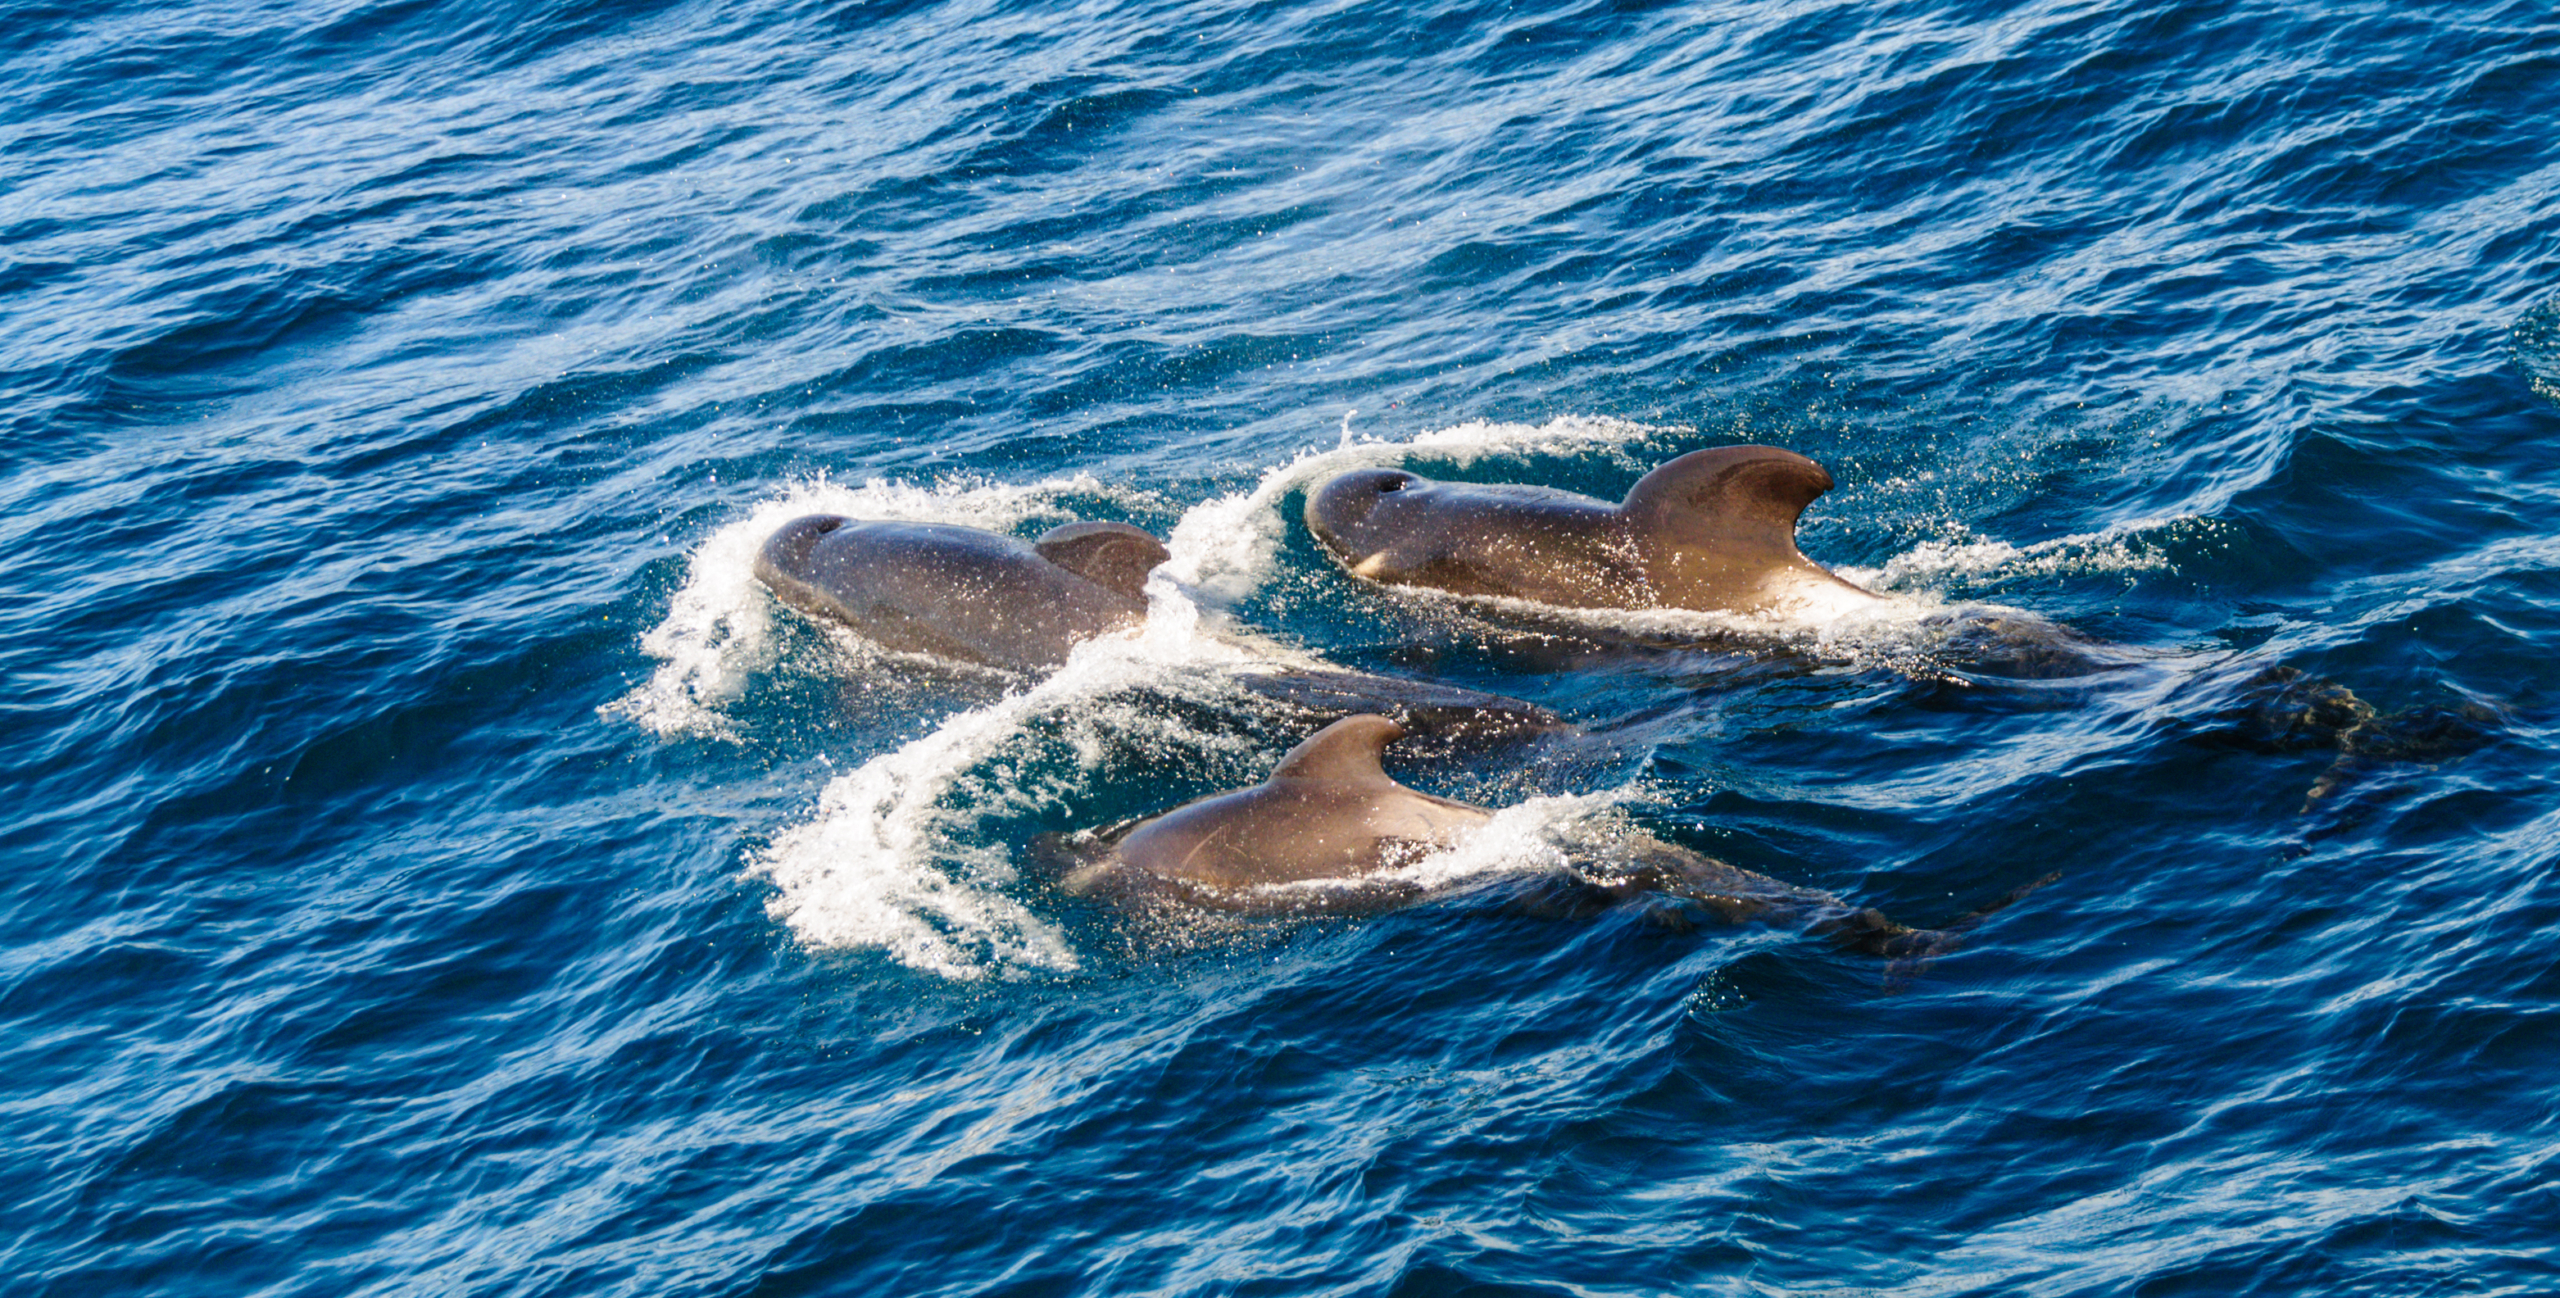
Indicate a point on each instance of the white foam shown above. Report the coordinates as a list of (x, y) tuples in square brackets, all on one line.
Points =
[(1964, 557), (1898, 632), (884, 861), (892, 857)]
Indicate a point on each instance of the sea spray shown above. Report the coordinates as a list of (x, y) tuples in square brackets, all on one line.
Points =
[(1962, 556)]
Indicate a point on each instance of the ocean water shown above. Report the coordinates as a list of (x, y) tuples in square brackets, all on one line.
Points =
[(435, 867)]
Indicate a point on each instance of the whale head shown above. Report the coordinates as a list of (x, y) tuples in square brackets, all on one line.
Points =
[(1363, 512), (786, 553)]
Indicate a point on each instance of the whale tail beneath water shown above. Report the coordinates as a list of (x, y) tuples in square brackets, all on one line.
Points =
[(1909, 951), (1439, 717), (1646, 868)]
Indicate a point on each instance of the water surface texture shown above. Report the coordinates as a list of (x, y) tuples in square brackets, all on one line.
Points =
[(437, 868)]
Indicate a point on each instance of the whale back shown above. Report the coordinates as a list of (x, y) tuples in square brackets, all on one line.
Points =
[(1328, 812), (955, 592), (1714, 530), (1500, 539)]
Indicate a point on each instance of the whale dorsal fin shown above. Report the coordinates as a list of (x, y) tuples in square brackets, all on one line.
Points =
[(1734, 498), (1115, 556), (1345, 752)]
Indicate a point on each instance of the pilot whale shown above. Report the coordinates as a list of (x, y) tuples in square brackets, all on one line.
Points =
[(1327, 812), (1319, 833), (973, 596), (1713, 530), (964, 593)]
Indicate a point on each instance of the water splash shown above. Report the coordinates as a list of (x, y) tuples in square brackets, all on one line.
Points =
[(1932, 565), (890, 858), (884, 862)]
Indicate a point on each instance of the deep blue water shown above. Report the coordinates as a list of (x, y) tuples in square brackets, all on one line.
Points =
[(435, 868)]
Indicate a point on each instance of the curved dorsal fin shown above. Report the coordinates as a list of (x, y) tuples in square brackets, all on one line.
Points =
[(1115, 556), (1732, 497), (1344, 752)]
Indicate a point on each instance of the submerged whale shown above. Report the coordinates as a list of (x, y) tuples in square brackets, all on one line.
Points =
[(973, 596), (1713, 531), (1329, 829)]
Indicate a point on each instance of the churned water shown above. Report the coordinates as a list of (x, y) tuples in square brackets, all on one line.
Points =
[(436, 867)]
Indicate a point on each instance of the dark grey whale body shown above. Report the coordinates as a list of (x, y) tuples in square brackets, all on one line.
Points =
[(980, 597), (1318, 834), (1713, 530), (1328, 811), (961, 592)]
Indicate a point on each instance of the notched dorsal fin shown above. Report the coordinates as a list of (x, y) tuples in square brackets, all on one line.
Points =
[(1732, 496), (1115, 556), (1344, 752)]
